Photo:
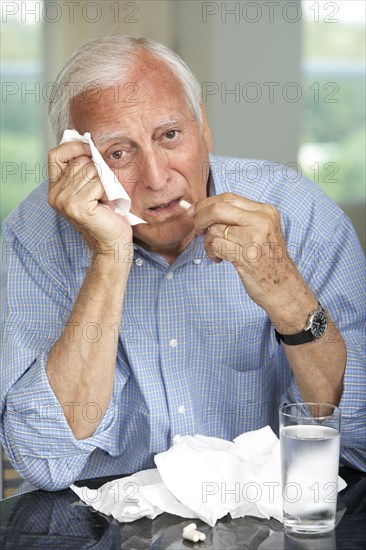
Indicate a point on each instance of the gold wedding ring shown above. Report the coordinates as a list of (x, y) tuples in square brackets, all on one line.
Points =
[(226, 230)]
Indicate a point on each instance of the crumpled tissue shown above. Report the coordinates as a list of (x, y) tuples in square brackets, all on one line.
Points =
[(113, 188), (201, 477)]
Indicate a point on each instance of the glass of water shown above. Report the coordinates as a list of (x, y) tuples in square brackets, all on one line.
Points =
[(310, 443)]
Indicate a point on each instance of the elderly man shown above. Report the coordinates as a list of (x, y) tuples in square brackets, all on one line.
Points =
[(198, 321)]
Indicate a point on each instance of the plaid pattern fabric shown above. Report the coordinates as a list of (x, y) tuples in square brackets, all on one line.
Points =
[(195, 353)]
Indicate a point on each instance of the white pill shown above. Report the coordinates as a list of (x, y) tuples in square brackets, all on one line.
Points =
[(184, 204), (191, 535), (190, 527), (202, 536)]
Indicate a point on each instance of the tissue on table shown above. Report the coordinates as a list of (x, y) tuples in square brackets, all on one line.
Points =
[(201, 477), (122, 498), (113, 188), (133, 497)]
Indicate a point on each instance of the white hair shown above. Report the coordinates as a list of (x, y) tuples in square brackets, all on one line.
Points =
[(104, 62)]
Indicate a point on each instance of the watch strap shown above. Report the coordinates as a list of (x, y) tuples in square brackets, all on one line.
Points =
[(302, 337)]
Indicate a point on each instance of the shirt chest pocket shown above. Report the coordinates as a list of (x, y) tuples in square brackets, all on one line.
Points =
[(235, 342)]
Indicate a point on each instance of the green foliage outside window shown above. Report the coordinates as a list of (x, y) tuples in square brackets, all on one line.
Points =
[(21, 146), (334, 121)]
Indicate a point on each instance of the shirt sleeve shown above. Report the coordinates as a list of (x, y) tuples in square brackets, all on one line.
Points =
[(336, 274), (33, 429)]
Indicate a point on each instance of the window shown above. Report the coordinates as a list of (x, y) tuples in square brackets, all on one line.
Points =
[(21, 103), (332, 151), (21, 145)]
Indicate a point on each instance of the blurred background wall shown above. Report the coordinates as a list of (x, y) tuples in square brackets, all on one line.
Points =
[(281, 80)]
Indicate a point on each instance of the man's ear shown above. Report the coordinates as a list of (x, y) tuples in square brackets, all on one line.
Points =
[(205, 128)]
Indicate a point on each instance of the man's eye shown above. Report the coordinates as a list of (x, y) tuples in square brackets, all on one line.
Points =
[(117, 155), (171, 134)]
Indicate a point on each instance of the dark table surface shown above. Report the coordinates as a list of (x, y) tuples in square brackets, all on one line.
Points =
[(39, 520)]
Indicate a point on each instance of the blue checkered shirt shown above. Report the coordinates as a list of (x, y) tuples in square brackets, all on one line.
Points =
[(195, 353)]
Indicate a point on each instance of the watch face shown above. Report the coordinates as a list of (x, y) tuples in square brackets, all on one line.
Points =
[(319, 324)]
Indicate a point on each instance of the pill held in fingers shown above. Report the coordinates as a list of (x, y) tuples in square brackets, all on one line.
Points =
[(184, 204)]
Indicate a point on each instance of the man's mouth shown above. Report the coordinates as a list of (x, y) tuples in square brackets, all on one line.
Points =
[(165, 207)]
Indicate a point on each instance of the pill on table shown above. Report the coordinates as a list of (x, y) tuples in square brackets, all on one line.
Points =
[(191, 535), (202, 536), (190, 527)]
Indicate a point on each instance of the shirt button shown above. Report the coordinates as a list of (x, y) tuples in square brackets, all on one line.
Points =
[(139, 261), (197, 261), (169, 275), (173, 343), (181, 409)]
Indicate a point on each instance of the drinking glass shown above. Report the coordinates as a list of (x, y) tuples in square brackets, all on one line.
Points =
[(310, 443)]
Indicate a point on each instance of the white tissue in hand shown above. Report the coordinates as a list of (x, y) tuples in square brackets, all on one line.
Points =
[(113, 188)]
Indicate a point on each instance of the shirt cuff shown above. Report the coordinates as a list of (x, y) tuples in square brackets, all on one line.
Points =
[(35, 421)]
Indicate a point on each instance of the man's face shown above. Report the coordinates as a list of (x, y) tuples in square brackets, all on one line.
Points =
[(148, 136)]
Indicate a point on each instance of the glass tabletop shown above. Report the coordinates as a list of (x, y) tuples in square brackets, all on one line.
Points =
[(40, 519)]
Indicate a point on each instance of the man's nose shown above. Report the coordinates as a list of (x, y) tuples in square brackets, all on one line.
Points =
[(153, 170)]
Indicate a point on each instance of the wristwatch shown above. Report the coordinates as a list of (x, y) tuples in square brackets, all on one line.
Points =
[(316, 326)]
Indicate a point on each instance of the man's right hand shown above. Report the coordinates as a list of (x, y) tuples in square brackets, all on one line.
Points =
[(82, 371), (77, 194)]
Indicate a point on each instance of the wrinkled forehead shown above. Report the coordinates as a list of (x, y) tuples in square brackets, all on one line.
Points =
[(150, 84)]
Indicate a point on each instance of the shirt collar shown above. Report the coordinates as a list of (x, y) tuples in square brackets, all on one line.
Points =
[(193, 251), (222, 179)]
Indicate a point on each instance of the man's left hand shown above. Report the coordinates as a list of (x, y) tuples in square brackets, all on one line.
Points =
[(255, 245)]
